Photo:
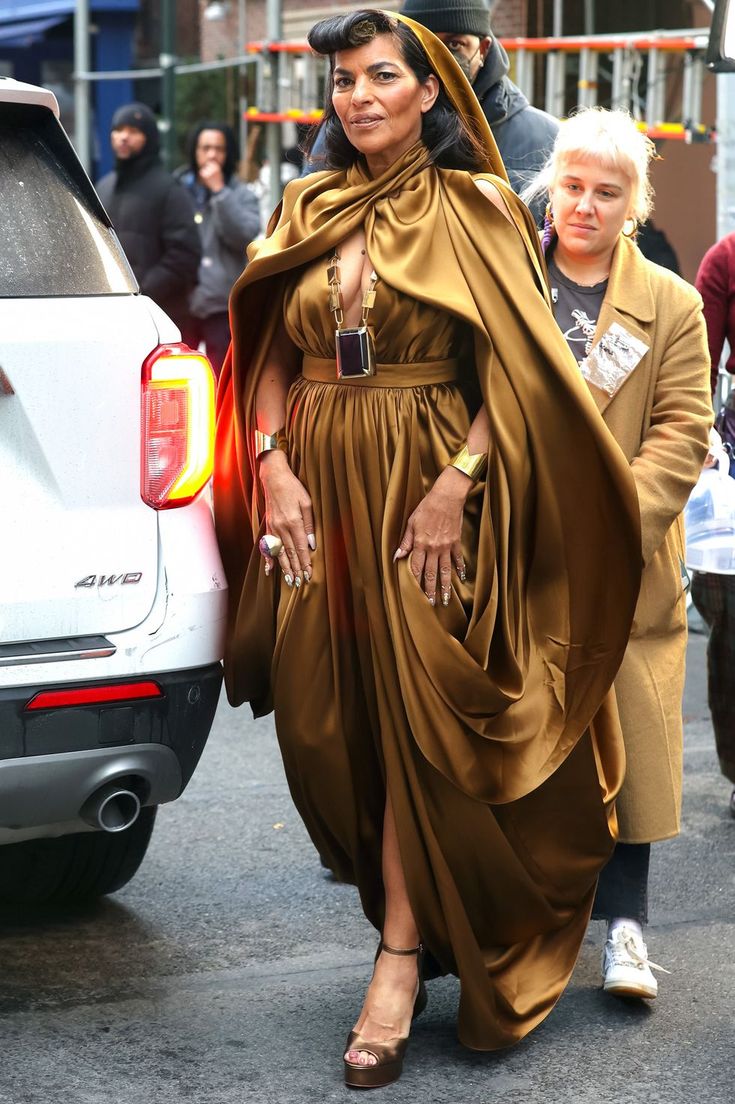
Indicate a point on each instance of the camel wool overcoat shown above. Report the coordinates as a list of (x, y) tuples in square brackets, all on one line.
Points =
[(660, 417)]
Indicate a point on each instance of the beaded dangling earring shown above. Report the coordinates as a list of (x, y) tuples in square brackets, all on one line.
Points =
[(548, 231), (630, 228)]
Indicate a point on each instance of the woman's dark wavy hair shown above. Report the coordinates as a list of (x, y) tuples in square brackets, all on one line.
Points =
[(450, 143)]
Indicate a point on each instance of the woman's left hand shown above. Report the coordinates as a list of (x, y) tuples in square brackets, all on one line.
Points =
[(433, 535)]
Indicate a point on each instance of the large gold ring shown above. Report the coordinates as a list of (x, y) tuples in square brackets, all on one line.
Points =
[(270, 546)]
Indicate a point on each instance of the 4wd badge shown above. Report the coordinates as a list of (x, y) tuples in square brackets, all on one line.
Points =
[(127, 579)]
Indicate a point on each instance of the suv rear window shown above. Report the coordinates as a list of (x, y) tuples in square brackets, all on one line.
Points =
[(56, 239)]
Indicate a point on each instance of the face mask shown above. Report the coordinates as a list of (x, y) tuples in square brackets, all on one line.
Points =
[(465, 63)]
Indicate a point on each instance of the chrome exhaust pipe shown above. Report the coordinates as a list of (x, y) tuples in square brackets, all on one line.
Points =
[(111, 808)]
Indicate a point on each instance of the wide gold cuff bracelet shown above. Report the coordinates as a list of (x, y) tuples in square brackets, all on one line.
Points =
[(266, 442), (472, 466)]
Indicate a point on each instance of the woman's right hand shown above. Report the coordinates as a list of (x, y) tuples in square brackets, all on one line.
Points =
[(289, 516)]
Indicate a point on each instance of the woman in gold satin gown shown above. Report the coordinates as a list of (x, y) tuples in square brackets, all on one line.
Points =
[(438, 644)]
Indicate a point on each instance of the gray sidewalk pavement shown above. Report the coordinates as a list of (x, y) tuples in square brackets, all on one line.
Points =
[(231, 968)]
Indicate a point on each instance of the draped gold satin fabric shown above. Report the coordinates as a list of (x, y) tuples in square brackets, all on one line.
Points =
[(460, 92), (491, 721)]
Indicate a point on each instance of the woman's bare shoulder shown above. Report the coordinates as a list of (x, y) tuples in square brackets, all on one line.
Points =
[(492, 192)]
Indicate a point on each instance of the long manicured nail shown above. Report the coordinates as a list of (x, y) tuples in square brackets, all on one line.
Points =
[(399, 554), (307, 575), (297, 581), (432, 599), (445, 598), (311, 541), (463, 576), (267, 568), (288, 580)]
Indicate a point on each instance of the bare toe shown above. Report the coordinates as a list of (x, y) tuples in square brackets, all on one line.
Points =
[(360, 1058)]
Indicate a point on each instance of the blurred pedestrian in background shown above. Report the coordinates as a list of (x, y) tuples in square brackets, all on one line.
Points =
[(523, 133), (228, 217), (639, 338), (655, 245), (151, 212), (714, 595), (716, 283)]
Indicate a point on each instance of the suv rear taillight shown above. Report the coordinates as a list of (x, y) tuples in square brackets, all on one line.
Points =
[(112, 694), (177, 426)]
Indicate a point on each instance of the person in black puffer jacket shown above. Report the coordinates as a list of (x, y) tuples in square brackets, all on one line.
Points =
[(152, 213)]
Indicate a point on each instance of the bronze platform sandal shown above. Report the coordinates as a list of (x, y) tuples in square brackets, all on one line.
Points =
[(388, 1056)]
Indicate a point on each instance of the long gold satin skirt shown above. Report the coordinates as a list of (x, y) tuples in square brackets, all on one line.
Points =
[(364, 686)]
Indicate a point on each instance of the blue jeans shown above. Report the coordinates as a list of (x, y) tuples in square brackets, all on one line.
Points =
[(714, 598), (214, 332), (622, 889)]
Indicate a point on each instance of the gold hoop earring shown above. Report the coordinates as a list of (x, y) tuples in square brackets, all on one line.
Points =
[(630, 228), (549, 215)]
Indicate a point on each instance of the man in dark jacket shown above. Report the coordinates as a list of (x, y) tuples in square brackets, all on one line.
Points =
[(228, 217), (524, 134), (151, 212)]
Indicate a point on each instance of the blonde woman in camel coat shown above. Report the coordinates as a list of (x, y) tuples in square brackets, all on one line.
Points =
[(638, 335)]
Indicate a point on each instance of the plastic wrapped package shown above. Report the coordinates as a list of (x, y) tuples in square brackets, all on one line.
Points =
[(709, 519)]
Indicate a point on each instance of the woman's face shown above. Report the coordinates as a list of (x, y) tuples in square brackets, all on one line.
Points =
[(590, 202), (378, 99)]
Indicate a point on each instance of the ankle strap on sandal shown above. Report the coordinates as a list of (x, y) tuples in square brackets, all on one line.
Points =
[(399, 951)]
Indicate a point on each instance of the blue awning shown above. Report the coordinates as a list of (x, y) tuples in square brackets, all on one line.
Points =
[(13, 11), (19, 35)]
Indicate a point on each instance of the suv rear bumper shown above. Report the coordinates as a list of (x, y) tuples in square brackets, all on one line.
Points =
[(185, 627), (53, 760)]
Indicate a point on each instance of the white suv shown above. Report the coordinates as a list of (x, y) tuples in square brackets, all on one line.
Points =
[(112, 594)]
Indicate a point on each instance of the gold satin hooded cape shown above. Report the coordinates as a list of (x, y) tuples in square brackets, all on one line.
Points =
[(492, 722)]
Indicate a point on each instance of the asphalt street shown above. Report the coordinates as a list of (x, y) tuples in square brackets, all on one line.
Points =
[(231, 968)]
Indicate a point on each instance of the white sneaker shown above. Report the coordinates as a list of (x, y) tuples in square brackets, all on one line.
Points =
[(626, 969)]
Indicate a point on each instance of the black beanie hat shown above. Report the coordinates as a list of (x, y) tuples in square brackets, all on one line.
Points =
[(140, 116), (446, 16)]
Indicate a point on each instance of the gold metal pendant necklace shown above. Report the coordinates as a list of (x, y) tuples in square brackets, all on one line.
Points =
[(354, 346)]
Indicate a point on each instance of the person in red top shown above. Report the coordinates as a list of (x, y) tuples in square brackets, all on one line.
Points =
[(714, 595), (716, 284)]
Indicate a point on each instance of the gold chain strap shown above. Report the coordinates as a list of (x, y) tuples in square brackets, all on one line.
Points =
[(336, 305)]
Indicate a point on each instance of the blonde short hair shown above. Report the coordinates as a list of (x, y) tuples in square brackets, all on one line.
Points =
[(610, 137)]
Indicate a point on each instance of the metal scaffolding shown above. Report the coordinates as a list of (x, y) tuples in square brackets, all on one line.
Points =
[(657, 76)]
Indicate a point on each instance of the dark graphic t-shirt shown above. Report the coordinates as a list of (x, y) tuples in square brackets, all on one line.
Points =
[(576, 309)]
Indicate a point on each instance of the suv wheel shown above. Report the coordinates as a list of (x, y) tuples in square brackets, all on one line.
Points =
[(73, 868)]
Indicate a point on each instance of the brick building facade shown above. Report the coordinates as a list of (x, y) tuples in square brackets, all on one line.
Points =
[(219, 38), (511, 18), (148, 31)]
